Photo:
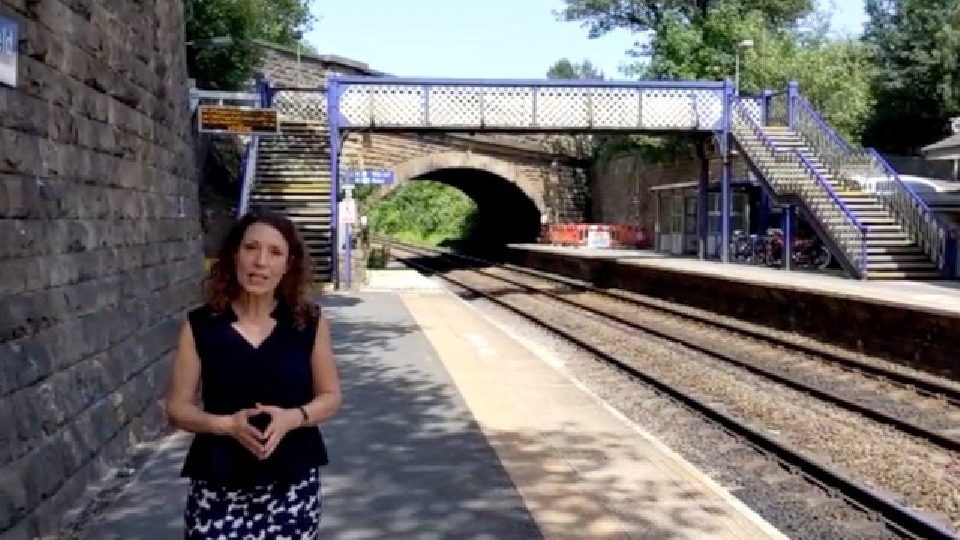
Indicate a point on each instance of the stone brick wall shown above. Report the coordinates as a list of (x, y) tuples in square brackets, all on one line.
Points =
[(621, 186), (99, 243)]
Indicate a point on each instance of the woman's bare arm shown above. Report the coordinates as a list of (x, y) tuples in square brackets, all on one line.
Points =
[(183, 412)]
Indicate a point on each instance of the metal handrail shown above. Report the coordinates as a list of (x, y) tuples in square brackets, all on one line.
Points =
[(248, 170), (816, 193), (934, 235)]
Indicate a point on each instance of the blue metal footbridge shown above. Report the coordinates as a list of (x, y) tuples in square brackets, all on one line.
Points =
[(878, 229)]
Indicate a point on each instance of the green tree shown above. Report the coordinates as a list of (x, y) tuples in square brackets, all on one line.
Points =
[(642, 16), (423, 211), (916, 50), (834, 74), (228, 65), (565, 69), (699, 40)]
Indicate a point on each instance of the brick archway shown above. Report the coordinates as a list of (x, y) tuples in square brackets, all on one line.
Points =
[(423, 165)]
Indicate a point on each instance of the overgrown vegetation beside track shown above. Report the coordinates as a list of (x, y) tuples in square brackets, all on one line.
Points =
[(424, 212)]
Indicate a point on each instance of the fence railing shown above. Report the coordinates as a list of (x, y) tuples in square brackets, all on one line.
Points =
[(864, 168), (847, 232)]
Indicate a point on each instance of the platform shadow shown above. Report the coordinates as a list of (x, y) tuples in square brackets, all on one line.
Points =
[(408, 459)]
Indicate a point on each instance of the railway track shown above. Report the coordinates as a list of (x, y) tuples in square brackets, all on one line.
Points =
[(563, 291)]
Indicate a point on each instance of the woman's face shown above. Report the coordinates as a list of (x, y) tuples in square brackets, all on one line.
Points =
[(261, 259)]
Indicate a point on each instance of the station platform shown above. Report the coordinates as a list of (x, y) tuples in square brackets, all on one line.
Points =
[(940, 296), (452, 429)]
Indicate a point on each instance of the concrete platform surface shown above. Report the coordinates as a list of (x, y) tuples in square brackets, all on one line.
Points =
[(451, 429), (407, 459), (400, 279), (941, 296)]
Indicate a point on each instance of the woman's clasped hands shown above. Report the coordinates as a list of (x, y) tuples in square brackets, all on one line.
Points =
[(262, 441)]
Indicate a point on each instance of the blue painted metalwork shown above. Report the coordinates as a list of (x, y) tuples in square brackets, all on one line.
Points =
[(703, 206), (368, 177), (729, 96), (763, 218), (333, 119), (766, 99), (852, 219), (786, 218), (468, 105), (937, 237), (793, 91), (845, 232), (248, 166), (9, 51)]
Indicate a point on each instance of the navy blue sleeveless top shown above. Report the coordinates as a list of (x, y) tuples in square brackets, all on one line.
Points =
[(235, 375)]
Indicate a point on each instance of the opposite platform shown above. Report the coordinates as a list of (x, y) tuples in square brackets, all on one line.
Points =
[(938, 296), (453, 430)]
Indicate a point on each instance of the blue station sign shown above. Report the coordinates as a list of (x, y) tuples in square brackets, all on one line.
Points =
[(360, 177), (9, 49)]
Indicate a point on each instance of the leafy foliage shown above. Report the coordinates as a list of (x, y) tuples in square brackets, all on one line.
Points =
[(834, 74), (701, 40), (641, 16), (423, 211), (915, 46), (227, 66), (565, 69)]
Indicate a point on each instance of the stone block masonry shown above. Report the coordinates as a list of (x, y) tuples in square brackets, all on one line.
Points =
[(100, 243)]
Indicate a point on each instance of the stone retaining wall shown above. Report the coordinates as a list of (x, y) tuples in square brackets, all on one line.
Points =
[(100, 245)]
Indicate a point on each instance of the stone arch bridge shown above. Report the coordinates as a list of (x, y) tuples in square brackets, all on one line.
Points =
[(513, 179)]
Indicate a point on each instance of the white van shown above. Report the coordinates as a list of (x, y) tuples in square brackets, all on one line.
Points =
[(921, 185)]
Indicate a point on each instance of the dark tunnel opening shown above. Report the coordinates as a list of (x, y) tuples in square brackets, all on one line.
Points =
[(505, 214)]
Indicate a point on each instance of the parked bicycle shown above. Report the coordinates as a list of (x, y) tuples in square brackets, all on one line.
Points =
[(807, 253)]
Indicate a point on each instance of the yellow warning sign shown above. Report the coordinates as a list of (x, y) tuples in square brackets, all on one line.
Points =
[(237, 120)]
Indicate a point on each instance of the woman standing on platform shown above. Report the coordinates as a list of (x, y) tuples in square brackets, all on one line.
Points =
[(258, 352)]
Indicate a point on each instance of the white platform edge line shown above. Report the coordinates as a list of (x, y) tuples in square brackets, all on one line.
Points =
[(688, 467)]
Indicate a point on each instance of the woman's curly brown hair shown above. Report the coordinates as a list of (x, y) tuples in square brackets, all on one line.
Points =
[(222, 287)]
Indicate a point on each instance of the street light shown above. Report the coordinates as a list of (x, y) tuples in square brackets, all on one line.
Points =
[(745, 44), (298, 35)]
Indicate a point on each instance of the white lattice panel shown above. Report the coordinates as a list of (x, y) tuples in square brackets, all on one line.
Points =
[(384, 105), (563, 107), (616, 108), (505, 107), (418, 106), (455, 106), (301, 105), (667, 109)]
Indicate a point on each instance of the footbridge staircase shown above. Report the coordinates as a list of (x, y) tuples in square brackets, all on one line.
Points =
[(875, 224), (877, 230)]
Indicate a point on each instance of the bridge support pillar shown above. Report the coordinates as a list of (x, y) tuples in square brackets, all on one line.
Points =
[(787, 252), (333, 120), (703, 199), (763, 213), (725, 209), (726, 177)]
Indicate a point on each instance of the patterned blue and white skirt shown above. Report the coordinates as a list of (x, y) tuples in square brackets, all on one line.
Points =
[(263, 513)]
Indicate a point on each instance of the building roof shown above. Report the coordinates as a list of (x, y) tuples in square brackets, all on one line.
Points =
[(322, 58), (945, 149)]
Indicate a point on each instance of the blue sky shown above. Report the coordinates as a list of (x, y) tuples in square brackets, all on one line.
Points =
[(501, 39)]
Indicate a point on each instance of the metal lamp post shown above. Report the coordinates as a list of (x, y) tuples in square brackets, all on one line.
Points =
[(298, 35), (745, 44)]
